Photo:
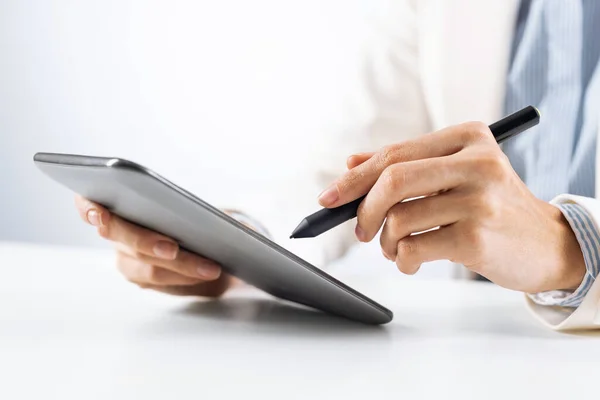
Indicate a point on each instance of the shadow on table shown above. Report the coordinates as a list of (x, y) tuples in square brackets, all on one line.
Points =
[(263, 316), (232, 316)]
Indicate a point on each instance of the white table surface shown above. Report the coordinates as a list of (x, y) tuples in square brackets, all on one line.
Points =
[(71, 328)]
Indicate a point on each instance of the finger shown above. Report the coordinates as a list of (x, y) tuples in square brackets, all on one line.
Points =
[(356, 159), (143, 274), (439, 244), (357, 181), (91, 213), (139, 239), (186, 263), (404, 181), (420, 215)]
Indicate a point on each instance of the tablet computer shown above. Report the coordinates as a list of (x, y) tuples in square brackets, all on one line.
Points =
[(143, 197)]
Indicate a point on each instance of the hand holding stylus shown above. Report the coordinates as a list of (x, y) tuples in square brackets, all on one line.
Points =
[(469, 206)]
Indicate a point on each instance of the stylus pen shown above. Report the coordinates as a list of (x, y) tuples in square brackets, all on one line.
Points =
[(328, 218)]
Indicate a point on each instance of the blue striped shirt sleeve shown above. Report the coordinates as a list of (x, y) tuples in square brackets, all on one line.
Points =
[(588, 236)]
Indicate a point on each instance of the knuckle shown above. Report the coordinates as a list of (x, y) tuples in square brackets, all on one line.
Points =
[(395, 153), (393, 218), (485, 205), (471, 132), (473, 237), (394, 178), (479, 127), (493, 165), (477, 130), (388, 155), (396, 219), (406, 250)]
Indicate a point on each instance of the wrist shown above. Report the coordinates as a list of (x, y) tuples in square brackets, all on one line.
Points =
[(570, 269)]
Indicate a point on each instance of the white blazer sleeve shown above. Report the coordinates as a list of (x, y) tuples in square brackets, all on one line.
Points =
[(384, 104), (587, 314)]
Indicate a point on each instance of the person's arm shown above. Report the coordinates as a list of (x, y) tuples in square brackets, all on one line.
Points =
[(383, 104), (578, 308), (453, 195)]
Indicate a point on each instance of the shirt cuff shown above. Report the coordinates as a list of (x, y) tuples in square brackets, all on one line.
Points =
[(588, 236)]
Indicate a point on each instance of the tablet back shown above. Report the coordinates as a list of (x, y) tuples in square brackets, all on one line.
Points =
[(145, 198)]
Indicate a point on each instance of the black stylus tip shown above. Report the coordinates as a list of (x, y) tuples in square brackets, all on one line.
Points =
[(301, 231)]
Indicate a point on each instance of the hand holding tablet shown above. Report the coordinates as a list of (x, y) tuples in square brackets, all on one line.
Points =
[(144, 199)]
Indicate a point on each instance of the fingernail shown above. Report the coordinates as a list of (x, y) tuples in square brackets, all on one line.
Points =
[(94, 217), (165, 249), (208, 271), (329, 196), (360, 234)]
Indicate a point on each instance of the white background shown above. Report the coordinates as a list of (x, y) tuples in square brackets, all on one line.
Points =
[(214, 95), (217, 96)]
